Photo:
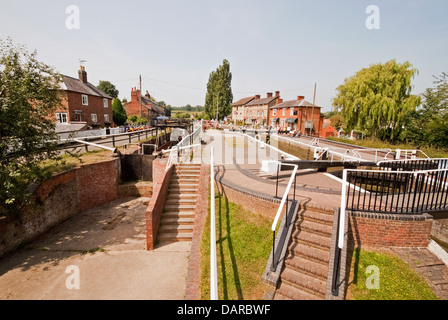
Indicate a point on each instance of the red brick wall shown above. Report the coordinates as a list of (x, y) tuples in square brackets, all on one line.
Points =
[(390, 230), (250, 202), (60, 198), (97, 184), (161, 182)]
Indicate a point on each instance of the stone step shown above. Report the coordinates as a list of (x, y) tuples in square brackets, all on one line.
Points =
[(182, 190), (178, 214), (182, 207), (184, 176), (171, 228), (177, 201), (183, 185), (177, 180), (311, 239), (308, 267), (310, 253), (304, 282), (289, 292), (174, 237), (178, 196), (178, 221), (314, 216), (313, 227)]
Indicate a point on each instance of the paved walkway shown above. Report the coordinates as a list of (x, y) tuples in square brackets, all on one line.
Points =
[(107, 246)]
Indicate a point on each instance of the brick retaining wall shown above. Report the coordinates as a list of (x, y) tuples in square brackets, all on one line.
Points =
[(155, 207), (390, 230), (59, 198)]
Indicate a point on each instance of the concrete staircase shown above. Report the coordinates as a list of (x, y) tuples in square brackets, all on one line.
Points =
[(305, 272), (177, 220)]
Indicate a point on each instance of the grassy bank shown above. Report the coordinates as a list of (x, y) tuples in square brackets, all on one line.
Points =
[(376, 144), (243, 242), (396, 280)]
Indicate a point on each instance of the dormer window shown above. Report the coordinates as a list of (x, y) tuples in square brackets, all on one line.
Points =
[(85, 100)]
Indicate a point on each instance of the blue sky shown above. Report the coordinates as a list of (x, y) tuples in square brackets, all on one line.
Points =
[(271, 45)]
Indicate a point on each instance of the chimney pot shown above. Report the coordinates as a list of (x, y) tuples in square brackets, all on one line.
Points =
[(82, 74)]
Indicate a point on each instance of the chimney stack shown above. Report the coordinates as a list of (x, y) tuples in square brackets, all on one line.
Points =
[(299, 98), (279, 101), (135, 94), (257, 97), (277, 94), (269, 94), (82, 74)]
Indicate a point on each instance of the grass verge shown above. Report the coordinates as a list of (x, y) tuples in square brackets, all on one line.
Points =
[(396, 280), (243, 241), (432, 152)]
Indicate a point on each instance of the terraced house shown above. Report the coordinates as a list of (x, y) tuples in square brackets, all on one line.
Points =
[(254, 110), (83, 106)]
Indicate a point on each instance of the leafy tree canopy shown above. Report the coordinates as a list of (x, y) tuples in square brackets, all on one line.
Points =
[(378, 99), (109, 88), (119, 113), (29, 96)]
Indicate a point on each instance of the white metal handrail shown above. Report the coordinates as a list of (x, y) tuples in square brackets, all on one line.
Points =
[(213, 261), (114, 150), (183, 144), (285, 195)]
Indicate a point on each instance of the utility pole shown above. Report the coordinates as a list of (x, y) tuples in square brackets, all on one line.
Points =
[(141, 108)]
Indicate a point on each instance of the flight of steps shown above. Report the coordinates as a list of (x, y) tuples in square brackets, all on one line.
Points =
[(305, 272), (177, 220)]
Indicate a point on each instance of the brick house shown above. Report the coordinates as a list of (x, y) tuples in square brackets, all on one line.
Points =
[(147, 108), (83, 105), (256, 112), (237, 115), (297, 114)]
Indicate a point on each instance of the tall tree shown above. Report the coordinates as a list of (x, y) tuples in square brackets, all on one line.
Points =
[(109, 88), (29, 95), (377, 99), (219, 92), (429, 124), (118, 112)]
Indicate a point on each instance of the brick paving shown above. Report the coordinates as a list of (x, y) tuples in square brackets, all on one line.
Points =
[(429, 266)]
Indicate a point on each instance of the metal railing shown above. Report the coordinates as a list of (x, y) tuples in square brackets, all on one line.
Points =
[(391, 192), (184, 149), (213, 260), (283, 204)]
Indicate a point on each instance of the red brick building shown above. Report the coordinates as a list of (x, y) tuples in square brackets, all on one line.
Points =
[(297, 115), (83, 106), (147, 108)]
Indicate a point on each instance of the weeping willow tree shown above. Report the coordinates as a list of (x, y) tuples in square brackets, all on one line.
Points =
[(378, 99)]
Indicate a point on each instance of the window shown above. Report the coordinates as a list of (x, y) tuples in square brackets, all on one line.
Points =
[(106, 103), (106, 118), (85, 100), (94, 117), (274, 112), (291, 111), (61, 117), (284, 111)]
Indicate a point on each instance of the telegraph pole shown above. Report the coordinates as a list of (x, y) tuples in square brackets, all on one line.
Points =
[(217, 105)]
